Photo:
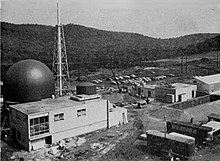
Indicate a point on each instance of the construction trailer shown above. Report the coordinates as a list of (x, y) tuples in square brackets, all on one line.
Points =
[(215, 125), (209, 84), (35, 124), (170, 144), (213, 117), (200, 133), (176, 92)]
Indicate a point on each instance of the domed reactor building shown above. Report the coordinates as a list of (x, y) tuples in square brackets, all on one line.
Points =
[(27, 81)]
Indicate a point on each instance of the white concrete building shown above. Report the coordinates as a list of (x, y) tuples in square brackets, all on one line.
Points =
[(35, 124), (176, 92), (209, 84)]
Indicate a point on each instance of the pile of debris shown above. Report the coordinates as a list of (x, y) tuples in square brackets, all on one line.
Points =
[(56, 150)]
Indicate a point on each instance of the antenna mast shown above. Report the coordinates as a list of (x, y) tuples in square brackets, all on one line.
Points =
[(60, 64)]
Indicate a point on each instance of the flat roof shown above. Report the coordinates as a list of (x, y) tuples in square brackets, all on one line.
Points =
[(150, 86), (182, 85), (189, 124), (177, 85), (85, 84), (168, 136), (181, 135), (47, 105), (213, 124), (210, 79)]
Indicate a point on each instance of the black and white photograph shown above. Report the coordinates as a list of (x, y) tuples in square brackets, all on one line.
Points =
[(110, 80)]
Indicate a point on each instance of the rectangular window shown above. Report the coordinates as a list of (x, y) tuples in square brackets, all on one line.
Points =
[(39, 125), (81, 112), (59, 117)]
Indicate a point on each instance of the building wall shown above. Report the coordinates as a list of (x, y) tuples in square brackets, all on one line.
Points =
[(170, 98), (164, 94), (208, 88), (117, 116), (217, 86), (37, 141), (203, 87), (37, 144), (19, 126), (187, 92), (161, 93), (144, 92), (95, 118)]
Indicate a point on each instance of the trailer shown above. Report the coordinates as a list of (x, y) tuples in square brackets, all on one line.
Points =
[(215, 125), (170, 144), (200, 133), (214, 117)]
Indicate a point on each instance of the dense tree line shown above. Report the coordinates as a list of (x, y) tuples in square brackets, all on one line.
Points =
[(91, 48)]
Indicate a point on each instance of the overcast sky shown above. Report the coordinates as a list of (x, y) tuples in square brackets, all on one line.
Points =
[(155, 18)]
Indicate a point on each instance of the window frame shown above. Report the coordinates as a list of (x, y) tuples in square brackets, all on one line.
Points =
[(81, 112), (59, 117), (39, 125)]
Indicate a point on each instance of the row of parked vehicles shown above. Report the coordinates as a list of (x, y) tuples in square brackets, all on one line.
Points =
[(132, 79)]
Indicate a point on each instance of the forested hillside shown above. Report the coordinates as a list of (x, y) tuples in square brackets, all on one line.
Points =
[(91, 48)]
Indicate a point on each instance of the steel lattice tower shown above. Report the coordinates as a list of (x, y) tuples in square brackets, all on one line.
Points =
[(60, 63)]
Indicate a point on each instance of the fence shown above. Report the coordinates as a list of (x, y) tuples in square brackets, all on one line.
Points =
[(190, 103)]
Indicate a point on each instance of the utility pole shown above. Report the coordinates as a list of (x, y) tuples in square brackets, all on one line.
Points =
[(186, 64), (107, 114), (217, 58), (182, 63), (60, 64)]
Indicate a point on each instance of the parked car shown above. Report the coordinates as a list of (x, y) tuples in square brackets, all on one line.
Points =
[(100, 81), (120, 77), (170, 75), (143, 136), (133, 76), (95, 81), (113, 82), (127, 76)]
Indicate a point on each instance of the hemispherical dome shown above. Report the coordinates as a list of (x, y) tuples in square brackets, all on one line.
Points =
[(28, 80)]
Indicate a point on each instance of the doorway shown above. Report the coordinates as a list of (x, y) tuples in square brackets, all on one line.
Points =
[(124, 118), (149, 93), (48, 140), (179, 98)]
